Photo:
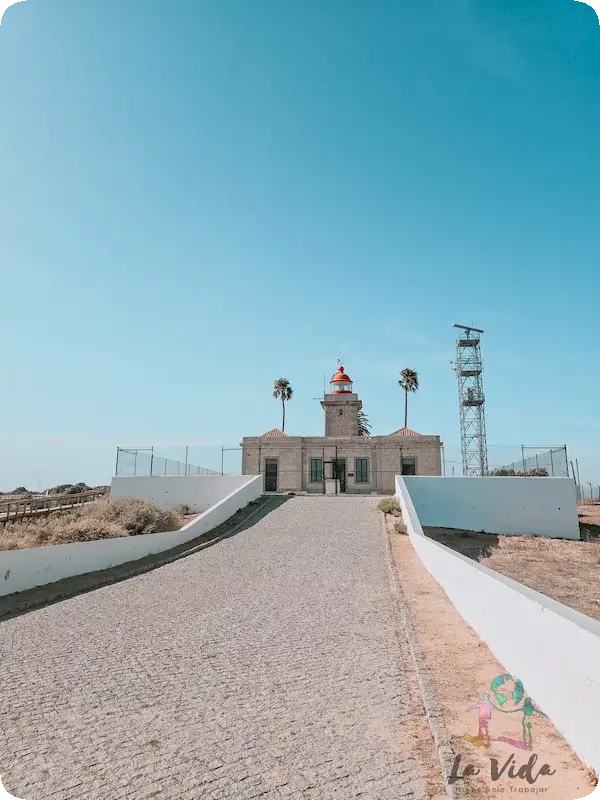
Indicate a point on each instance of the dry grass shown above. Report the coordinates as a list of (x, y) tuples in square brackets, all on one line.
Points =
[(589, 520), (389, 505), (565, 570), (102, 519)]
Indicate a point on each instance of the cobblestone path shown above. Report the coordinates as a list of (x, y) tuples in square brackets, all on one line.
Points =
[(266, 666)]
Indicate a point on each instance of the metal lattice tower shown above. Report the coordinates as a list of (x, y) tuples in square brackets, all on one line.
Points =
[(471, 400)]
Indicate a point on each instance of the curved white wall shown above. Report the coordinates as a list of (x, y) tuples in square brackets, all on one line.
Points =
[(554, 650), (198, 491), (37, 566)]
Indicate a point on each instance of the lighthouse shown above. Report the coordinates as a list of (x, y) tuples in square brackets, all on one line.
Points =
[(341, 406)]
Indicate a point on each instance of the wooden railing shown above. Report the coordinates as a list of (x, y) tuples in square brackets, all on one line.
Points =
[(12, 510)]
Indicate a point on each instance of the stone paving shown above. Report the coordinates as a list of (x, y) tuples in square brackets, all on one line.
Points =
[(268, 665)]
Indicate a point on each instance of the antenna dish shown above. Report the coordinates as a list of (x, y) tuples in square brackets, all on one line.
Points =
[(468, 328)]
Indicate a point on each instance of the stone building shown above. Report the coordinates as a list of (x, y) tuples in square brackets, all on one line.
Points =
[(342, 460)]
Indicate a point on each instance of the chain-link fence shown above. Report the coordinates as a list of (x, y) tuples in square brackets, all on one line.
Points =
[(227, 460), (145, 461), (549, 461), (515, 460), (590, 493)]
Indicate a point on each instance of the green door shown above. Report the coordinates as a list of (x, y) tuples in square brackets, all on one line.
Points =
[(339, 472), (271, 474)]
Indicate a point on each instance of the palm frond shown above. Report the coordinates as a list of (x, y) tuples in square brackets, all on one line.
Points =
[(364, 426), (409, 380)]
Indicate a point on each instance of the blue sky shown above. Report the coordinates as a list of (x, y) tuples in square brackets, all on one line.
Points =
[(206, 196)]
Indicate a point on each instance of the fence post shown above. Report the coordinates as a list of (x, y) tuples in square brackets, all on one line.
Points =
[(117, 464), (135, 463), (151, 459), (187, 448), (551, 462), (260, 465), (222, 460), (523, 457)]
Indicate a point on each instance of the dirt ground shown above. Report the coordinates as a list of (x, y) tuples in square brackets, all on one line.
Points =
[(589, 520), (460, 669), (567, 571)]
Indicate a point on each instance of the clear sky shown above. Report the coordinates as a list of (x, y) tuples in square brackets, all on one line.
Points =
[(200, 197)]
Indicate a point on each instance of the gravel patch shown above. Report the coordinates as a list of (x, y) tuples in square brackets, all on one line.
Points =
[(270, 665), (21, 602)]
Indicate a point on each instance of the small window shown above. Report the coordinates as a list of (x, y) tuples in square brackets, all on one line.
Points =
[(409, 466), (316, 470), (361, 470)]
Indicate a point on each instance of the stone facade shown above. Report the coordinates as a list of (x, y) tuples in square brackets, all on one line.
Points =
[(359, 464), (341, 414), (384, 456)]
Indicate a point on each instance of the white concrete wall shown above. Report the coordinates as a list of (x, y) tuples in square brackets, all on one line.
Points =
[(198, 491), (544, 506), (554, 650), (36, 566)]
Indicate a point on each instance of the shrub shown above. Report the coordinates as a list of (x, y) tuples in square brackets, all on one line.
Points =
[(537, 472), (389, 505), (102, 519), (78, 488), (141, 516), (62, 488), (70, 488), (185, 509)]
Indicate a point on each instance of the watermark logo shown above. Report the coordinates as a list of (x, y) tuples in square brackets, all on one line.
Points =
[(4, 4), (507, 696), (4, 795), (510, 699)]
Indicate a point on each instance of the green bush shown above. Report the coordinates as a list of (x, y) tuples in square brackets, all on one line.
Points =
[(78, 488), (389, 505), (536, 472), (70, 488)]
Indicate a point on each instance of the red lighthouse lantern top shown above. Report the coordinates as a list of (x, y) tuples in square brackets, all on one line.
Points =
[(341, 383)]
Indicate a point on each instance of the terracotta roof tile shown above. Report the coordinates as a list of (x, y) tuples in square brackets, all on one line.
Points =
[(273, 434), (405, 432)]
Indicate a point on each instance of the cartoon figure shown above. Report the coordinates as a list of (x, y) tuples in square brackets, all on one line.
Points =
[(522, 704), (485, 714)]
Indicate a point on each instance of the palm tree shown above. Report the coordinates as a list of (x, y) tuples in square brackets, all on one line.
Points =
[(409, 382), (282, 390), (364, 426)]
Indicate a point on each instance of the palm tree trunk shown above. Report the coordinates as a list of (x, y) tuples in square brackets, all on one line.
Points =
[(406, 408), (283, 423)]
